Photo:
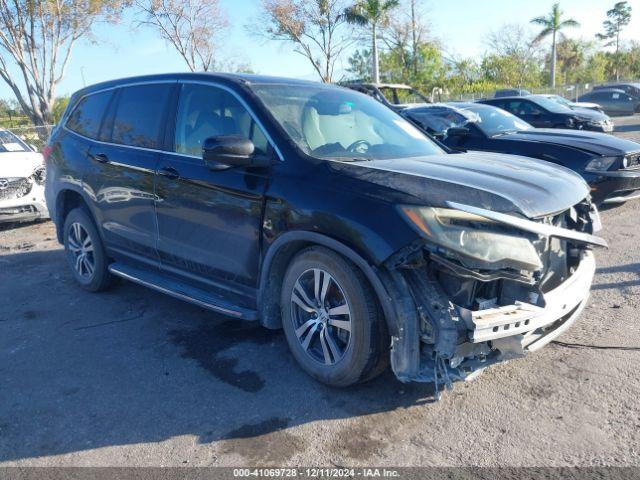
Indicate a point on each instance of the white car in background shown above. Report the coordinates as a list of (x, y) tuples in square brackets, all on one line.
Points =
[(22, 175)]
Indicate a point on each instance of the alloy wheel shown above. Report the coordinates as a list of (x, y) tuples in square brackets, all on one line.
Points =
[(321, 316), (81, 248)]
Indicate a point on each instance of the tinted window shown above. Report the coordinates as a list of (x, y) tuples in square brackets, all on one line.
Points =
[(500, 104), (205, 112), (522, 107), (87, 116), (139, 115), (593, 96)]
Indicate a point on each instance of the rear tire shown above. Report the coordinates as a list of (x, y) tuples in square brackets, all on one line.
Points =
[(332, 320), (85, 251)]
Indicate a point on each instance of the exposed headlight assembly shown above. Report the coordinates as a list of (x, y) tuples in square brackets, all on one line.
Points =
[(600, 164), (480, 241), (40, 174)]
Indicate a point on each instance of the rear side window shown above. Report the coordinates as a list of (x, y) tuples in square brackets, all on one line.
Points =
[(87, 116), (139, 115)]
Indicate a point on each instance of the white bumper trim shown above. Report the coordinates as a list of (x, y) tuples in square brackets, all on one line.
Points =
[(520, 318)]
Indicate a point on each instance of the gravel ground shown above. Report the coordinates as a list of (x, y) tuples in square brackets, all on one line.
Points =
[(133, 377)]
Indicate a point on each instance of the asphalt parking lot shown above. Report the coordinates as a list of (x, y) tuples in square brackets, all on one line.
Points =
[(133, 377)]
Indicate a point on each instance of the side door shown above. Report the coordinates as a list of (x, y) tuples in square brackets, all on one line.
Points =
[(124, 161), (210, 220), (629, 105)]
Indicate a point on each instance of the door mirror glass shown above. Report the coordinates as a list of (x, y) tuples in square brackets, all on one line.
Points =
[(229, 150), (458, 132)]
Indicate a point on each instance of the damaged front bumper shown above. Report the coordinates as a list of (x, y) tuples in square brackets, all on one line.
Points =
[(440, 338), (24, 204), (517, 329)]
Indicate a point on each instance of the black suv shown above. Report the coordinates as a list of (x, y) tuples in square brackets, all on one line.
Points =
[(317, 209)]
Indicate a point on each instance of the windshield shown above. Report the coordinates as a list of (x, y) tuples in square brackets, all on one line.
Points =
[(10, 143), (550, 105), (335, 123), (560, 100), (400, 96), (495, 121)]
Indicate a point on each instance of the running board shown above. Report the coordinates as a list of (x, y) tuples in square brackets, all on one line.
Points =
[(181, 291)]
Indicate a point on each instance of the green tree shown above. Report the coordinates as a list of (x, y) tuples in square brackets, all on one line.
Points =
[(360, 65), (509, 71), (371, 14), (59, 106), (617, 18), (552, 24), (571, 57)]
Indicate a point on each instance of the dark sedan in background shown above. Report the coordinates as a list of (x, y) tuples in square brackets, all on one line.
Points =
[(542, 112), (614, 101), (610, 165), (632, 88), (511, 92)]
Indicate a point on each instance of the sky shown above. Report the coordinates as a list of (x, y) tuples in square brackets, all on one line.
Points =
[(461, 26)]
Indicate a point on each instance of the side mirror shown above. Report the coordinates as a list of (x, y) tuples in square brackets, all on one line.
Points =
[(225, 151), (458, 132)]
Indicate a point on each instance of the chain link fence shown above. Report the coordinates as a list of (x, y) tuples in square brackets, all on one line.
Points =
[(34, 136), (570, 91)]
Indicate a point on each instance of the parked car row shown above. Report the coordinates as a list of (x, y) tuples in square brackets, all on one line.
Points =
[(543, 112), (546, 127), (319, 210), (614, 101), (610, 165), (612, 98)]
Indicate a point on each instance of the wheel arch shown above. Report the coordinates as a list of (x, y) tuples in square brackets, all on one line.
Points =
[(280, 254), (66, 200)]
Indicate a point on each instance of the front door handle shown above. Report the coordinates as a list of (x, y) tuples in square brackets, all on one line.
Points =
[(99, 157), (169, 172)]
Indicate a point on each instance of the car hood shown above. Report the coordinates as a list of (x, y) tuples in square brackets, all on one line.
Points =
[(593, 142), (498, 182), (589, 105), (19, 164), (589, 114)]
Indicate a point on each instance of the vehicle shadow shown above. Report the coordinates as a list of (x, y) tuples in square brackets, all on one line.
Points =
[(82, 371), (4, 226), (628, 128), (629, 268)]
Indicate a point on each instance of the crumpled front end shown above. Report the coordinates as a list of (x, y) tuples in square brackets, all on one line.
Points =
[(456, 315), (22, 198)]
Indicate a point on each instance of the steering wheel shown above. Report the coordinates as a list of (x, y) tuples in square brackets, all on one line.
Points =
[(359, 146)]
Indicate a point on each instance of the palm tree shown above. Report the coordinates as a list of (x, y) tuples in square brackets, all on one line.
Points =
[(552, 23), (371, 13)]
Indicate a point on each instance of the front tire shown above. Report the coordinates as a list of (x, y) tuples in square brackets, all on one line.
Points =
[(85, 252), (332, 320)]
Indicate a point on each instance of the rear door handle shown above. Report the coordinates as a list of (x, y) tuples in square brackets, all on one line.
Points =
[(99, 157), (169, 172)]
